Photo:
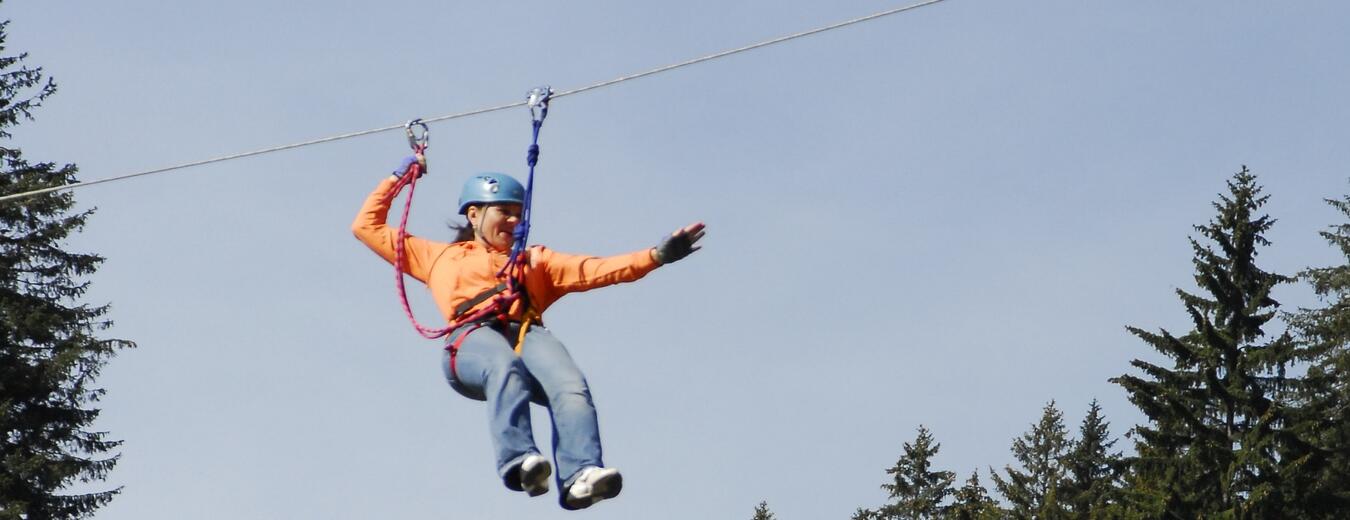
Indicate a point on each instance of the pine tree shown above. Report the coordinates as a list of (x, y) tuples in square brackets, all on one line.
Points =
[(917, 491), (1092, 485), (1034, 492), (49, 355), (972, 502), (762, 512), (1218, 414), (1324, 420)]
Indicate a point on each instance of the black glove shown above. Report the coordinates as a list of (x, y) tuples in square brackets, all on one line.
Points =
[(679, 244)]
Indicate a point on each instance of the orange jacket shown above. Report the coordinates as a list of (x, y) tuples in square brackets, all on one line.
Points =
[(455, 273)]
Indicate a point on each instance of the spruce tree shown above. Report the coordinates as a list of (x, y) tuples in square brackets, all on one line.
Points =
[(917, 492), (1324, 419), (1091, 486), (972, 502), (1034, 490), (49, 352), (1217, 417), (762, 512)]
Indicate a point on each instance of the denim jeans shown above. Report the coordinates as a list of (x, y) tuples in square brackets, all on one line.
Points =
[(487, 369)]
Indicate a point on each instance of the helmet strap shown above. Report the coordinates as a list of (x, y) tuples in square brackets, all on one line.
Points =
[(478, 227)]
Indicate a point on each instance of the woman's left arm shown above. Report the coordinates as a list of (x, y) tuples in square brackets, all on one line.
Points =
[(574, 273)]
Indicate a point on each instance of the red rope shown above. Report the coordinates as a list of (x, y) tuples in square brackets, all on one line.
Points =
[(499, 304), (409, 179)]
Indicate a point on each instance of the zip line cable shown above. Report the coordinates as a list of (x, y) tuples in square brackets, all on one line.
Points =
[(448, 117), (750, 47)]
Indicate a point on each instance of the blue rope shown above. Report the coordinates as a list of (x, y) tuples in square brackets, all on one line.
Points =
[(522, 231)]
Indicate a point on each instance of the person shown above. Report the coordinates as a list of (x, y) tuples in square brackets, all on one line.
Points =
[(511, 360)]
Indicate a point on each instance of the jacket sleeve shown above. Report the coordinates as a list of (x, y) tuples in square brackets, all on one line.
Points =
[(576, 273), (371, 229)]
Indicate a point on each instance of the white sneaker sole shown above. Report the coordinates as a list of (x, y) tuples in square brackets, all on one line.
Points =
[(534, 479), (605, 487)]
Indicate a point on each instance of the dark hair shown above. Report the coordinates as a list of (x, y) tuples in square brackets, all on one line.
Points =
[(463, 231)]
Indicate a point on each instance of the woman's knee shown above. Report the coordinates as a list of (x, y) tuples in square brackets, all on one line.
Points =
[(568, 391)]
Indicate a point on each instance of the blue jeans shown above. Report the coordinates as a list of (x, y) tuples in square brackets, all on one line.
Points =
[(487, 369)]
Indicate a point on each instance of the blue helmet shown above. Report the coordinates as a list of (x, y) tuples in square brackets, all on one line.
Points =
[(490, 188)]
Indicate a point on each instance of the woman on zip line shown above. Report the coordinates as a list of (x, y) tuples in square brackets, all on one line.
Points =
[(509, 359)]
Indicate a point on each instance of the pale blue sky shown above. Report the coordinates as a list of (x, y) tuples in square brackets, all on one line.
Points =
[(945, 217)]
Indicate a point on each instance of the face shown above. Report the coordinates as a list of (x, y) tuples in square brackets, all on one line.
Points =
[(495, 223)]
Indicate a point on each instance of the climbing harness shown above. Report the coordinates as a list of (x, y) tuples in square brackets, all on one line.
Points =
[(512, 289)]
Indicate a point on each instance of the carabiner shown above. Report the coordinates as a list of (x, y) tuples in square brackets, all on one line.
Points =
[(538, 102), (418, 143)]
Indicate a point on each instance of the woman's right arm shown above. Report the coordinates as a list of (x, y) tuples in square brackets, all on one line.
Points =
[(371, 228)]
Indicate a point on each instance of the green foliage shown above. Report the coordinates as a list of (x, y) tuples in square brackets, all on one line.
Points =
[(1091, 487), (1231, 434), (972, 502), (762, 512), (49, 355), (1219, 415), (1034, 490), (1324, 420), (917, 492)]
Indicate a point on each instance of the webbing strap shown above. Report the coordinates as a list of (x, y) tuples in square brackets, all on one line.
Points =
[(530, 316), (453, 347), (482, 297)]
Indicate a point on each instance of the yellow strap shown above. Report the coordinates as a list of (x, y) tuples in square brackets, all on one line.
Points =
[(530, 315)]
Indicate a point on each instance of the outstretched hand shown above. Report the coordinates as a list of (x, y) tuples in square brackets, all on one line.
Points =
[(679, 244)]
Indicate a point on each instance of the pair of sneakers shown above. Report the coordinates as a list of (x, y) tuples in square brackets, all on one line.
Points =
[(592, 484)]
